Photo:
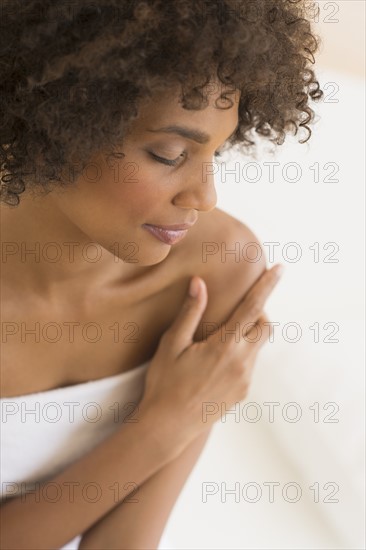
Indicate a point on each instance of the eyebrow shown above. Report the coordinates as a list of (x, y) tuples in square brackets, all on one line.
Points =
[(188, 133)]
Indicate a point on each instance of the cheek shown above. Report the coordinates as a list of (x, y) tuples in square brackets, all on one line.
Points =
[(134, 188), (123, 191)]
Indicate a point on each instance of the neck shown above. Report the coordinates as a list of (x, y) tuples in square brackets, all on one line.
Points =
[(43, 251)]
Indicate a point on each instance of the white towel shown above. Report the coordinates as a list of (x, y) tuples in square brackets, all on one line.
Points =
[(44, 432)]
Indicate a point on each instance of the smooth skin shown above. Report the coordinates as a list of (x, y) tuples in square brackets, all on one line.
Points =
[(111, 211)]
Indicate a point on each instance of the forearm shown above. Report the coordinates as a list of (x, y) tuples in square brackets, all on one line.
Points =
[(132, 454), (139, 525)]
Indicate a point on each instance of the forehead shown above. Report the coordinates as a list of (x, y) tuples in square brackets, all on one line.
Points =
[(165, 108)]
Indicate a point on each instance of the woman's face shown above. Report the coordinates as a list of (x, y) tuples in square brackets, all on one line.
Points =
[(164, 179)]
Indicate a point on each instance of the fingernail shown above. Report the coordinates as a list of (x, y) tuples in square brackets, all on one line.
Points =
[(194, 288)]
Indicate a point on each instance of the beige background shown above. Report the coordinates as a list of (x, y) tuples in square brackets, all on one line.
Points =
[(341, 27)]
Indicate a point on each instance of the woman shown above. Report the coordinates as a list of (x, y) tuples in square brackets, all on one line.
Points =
[(111, 115)]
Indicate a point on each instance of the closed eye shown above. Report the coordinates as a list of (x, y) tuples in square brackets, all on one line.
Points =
[(163, 160), (174, 162)]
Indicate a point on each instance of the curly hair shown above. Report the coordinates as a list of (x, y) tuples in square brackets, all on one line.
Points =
[(72, 74)]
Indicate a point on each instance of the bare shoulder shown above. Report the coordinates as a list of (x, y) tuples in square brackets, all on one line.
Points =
[(229, 257)]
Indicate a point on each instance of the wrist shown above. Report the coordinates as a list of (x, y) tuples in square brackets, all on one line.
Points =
[(163, 428)]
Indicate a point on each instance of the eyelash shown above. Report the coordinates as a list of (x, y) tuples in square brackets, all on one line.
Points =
[(174, 162)]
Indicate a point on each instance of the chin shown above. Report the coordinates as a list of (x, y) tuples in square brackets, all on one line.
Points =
[(141, 255)]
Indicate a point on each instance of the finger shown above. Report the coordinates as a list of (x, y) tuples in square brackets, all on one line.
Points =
[(251, 306), (180, 333), (257, 337)]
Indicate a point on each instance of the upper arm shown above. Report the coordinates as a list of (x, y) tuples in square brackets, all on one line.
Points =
[(229, 276)]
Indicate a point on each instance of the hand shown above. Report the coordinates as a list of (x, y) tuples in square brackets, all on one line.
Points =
[(183, 374)]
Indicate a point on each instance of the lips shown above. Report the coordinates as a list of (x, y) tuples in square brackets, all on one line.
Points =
[(168, 236)]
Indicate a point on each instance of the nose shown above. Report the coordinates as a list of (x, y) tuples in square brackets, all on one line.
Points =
[(200, 194)]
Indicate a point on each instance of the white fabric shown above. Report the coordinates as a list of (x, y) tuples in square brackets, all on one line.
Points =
[(44, 432)]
